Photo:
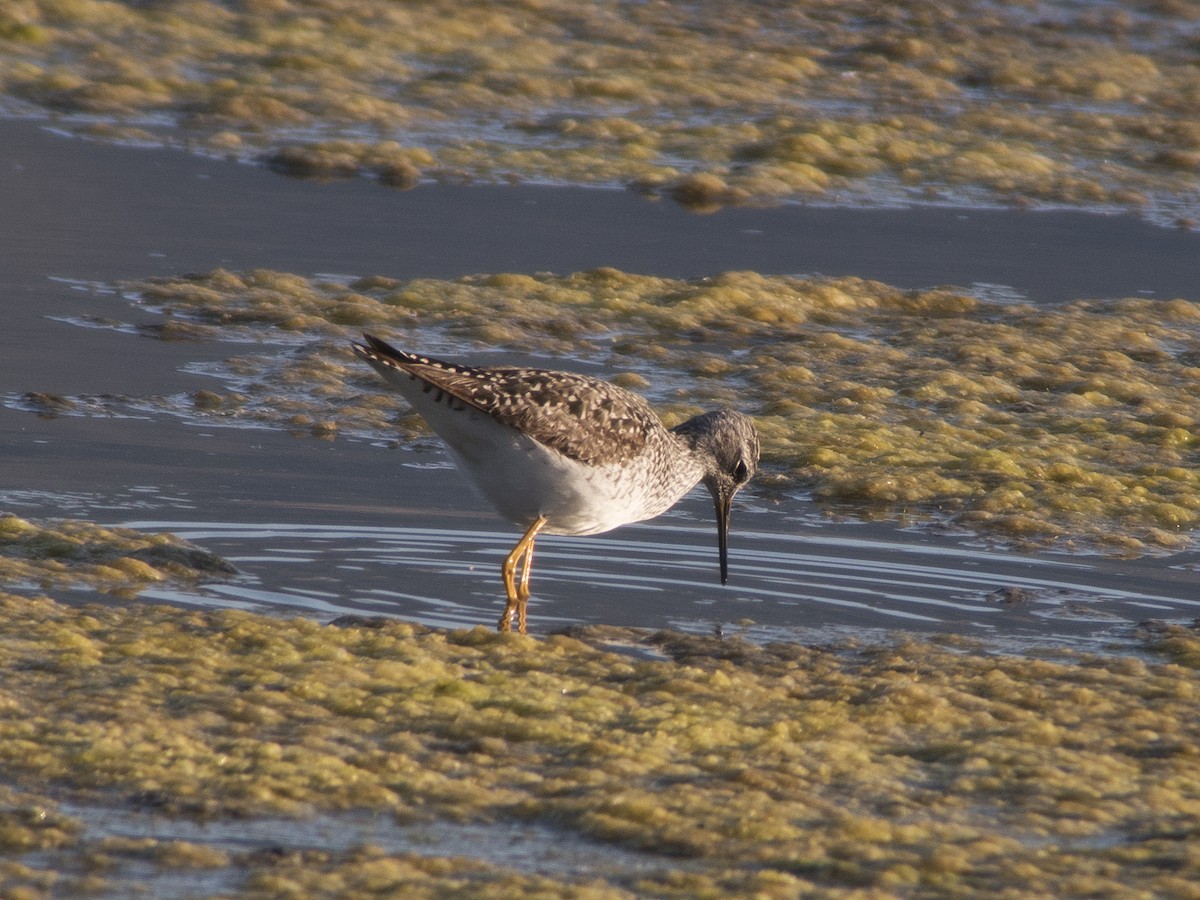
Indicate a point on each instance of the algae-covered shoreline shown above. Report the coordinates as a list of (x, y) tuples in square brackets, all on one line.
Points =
[(1069, 424), (694, 767), (918, 766), (1044, 103)]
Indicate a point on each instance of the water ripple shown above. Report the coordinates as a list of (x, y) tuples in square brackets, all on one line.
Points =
[(664, 575)]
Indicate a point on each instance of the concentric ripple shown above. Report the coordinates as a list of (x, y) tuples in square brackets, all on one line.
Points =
[(826, 582)]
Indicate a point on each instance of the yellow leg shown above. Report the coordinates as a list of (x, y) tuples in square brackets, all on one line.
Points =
[(523, 587), (518, 597)]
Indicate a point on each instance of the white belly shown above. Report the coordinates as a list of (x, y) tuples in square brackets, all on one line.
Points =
[(524, 480)]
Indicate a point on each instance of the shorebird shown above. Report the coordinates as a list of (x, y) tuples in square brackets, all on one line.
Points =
[(561, 453)]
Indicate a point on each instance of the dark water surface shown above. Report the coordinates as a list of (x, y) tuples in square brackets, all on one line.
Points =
[(326, 527)]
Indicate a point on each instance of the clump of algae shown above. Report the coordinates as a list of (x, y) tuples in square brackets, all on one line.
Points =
[(906, 767), (71, 553), (1064, 103), (1071, 422)]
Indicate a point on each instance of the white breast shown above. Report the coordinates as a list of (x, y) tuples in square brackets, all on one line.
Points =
[(523, 479)]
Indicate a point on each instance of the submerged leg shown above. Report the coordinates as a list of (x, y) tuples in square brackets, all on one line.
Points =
[(523, 587), (522, 555)]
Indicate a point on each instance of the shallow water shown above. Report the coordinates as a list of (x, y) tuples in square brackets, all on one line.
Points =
[(523, 846), (397, 533), (787, 586), (326, 527)]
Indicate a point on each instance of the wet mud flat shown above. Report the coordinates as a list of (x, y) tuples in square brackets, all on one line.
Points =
[(892, 740)]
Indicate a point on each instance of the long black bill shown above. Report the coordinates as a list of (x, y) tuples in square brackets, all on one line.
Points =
[(724, 503)]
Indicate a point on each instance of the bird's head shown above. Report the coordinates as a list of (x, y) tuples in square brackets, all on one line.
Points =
[(726, 443)]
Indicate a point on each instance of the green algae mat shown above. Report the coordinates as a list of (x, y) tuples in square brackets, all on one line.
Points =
[(682, 766), (931, 767), (691, 767), (772, 771), (1052, 103), (1071, 424)]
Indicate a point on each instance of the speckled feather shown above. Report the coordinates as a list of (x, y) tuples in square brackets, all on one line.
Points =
[(585, 419), (560, 453)]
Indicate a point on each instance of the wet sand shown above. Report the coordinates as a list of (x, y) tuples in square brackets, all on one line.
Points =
[(417, 543)]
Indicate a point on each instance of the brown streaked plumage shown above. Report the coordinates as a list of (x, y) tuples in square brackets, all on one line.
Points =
[(562, 453)]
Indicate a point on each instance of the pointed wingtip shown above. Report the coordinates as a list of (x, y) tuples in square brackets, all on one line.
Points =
[(378, 344), (375, 346)]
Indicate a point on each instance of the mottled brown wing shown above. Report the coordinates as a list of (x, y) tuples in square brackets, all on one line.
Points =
[(583, 418)]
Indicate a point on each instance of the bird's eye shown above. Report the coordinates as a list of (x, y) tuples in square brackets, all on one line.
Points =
[(740, 472)]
